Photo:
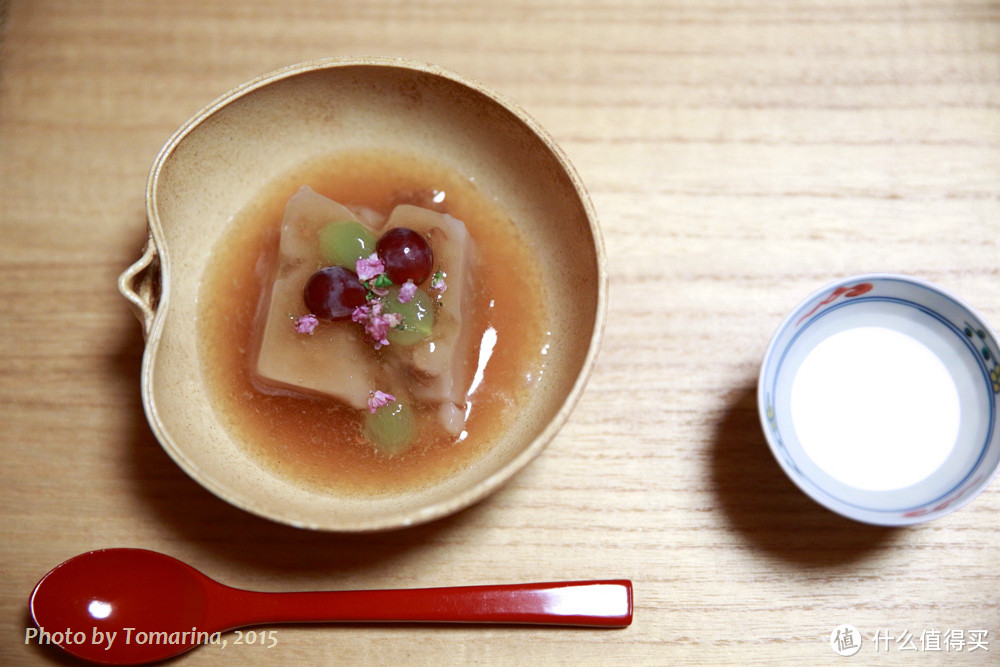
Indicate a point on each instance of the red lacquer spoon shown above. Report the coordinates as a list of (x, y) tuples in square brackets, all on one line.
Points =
[(132, 606)]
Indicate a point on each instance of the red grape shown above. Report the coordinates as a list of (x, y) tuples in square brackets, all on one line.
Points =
[(332, 293), (406, 255)]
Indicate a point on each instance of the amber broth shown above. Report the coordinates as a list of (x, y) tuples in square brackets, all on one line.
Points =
[(317, 441)]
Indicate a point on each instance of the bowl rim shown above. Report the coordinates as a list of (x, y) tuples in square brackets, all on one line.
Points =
[(871, 516), (153, 326)]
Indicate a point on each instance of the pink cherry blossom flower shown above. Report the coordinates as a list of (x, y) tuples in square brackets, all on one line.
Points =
[(377, 399), (369, 268), (438, 283), (376, 323), (360, 314), (406, 291), (306, 324)]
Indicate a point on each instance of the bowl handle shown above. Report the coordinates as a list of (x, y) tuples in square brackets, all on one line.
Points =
[(140, 284)]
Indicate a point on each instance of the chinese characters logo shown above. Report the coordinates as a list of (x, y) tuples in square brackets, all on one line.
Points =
[(846, 640)]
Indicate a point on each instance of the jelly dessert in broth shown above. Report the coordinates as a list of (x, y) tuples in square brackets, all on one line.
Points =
[(381, 313), (370, 324)]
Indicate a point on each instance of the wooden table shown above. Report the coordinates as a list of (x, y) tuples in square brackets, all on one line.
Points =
[(740, 155)]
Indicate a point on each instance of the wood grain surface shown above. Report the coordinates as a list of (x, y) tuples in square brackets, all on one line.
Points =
[(740, 154)]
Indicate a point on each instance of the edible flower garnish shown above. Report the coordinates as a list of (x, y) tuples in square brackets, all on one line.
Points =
[(438, 283), (371, 273), (377, 399), (406, 291), (379, 286), (376, 323), (370, 267), (306, 324)]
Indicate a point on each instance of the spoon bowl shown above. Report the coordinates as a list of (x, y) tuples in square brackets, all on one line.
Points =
[(117, 598), (134, 606)]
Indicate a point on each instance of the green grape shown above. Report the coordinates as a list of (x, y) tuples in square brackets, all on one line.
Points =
[(344, 242), (391, 427), (418, 317)]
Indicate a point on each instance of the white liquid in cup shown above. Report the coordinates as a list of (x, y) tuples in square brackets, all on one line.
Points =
[(875, 408)]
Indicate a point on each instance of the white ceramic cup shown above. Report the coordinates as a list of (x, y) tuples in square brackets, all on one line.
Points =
[(879, 398)]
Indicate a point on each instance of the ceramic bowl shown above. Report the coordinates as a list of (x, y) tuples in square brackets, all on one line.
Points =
[(879, 397), (216, 164)]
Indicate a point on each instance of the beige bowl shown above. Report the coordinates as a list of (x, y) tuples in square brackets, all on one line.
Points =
[(223, 157)]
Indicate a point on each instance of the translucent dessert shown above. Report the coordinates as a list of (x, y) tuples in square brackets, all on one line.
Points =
[(374, 312)]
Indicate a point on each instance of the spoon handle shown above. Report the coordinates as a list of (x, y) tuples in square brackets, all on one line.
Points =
[(605, 603)]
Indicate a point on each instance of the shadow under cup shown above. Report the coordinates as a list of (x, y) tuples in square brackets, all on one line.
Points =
[(879, 398)]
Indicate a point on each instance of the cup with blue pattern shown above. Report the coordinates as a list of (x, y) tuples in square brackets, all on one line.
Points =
[(879, 397)]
